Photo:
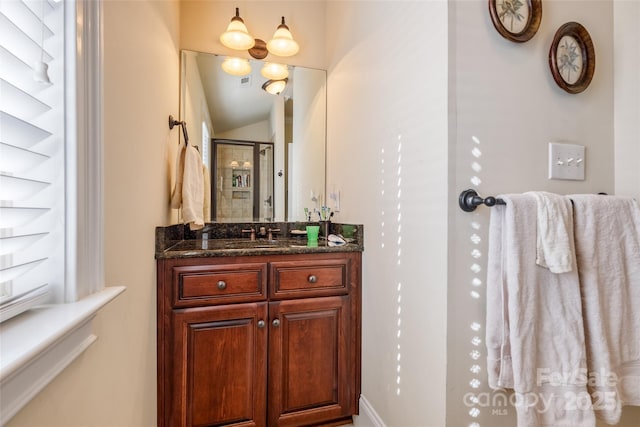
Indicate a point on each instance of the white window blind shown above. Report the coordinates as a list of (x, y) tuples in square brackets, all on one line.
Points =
[(32, 155), (50, 192)]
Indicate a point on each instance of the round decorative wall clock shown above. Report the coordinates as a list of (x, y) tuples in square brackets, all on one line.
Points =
[(516, 20), (572, 57)]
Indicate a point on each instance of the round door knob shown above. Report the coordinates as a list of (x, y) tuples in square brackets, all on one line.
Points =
[(276, 322), (261, 324), (312, 278), (222, 285)]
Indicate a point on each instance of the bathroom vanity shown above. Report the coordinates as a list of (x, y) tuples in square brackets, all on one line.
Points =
[(257, 333)]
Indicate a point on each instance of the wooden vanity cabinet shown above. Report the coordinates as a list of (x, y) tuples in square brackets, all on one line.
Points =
[(219, 365), (259, 340), (309, 361)]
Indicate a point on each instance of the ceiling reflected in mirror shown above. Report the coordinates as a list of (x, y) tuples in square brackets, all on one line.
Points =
[(234, 101)]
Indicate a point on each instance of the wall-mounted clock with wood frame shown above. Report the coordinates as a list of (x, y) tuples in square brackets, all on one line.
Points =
[(572, 57), (516, 20)]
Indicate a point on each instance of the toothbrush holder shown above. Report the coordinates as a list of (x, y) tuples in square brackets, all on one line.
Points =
[(325, 228)]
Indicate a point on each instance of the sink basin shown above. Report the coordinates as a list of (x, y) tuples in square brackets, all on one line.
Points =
[(235, 244), (254, 244)]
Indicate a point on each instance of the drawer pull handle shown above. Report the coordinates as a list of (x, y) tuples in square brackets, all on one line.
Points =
[(260, 324), (222, 285), (312, 278), (276, 322)]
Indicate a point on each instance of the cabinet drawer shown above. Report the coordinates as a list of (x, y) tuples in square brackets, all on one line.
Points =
[(303, 279), (219, 284)]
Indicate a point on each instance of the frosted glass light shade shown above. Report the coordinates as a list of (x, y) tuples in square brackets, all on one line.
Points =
[(274, 71), (236, 66), (237, 36), (275, 87), (282, 43)]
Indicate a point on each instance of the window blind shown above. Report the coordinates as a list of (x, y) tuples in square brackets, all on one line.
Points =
[(32, 155)]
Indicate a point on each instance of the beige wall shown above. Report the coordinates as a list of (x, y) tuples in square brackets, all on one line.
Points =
[(387, 153), (114, 382)]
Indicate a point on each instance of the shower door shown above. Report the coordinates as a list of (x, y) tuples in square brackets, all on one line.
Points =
[(266, 181), (242, 181)]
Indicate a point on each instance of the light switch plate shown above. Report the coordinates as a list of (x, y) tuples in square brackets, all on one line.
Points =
[(566, 161)]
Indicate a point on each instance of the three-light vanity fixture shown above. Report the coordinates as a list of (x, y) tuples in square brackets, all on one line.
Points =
[(237, 37)]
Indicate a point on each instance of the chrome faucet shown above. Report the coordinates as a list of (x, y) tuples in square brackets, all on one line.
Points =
[(271, 231), (262, 232), (253, 233)]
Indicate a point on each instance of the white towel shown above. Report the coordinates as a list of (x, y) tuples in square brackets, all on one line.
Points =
[(176, 194), (554, 231), (607, 235), (534, 336), (193, 189)]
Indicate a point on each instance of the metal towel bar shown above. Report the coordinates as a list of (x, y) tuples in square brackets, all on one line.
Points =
[(469, 200)]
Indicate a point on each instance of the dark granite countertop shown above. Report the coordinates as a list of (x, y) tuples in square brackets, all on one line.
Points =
[(227, 239)]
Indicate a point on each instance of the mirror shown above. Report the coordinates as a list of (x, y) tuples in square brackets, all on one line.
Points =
[(265, 153)]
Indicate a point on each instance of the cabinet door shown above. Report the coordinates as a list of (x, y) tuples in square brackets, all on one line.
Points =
[(219, 371), (309, 361)]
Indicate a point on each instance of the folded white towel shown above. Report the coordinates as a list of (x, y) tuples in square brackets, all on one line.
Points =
[(607, 236), (193, 189), (534, 331), (176, 194), (554, 231)]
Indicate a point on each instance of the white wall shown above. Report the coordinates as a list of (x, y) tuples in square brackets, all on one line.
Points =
[(194, 109), (308, 162), (507, 109), (277, 125), (258, 131), (114, 382), (626, 33), (387, 152)]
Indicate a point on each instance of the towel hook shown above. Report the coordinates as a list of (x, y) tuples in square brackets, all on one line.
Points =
[(183, 124)]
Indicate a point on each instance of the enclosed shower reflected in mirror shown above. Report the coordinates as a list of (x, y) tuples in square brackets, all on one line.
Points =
[(243, 180)]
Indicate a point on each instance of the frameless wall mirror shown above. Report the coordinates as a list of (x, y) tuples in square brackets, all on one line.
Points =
[(265, 152)]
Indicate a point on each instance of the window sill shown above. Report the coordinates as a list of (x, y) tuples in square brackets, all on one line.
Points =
[(37, 345)]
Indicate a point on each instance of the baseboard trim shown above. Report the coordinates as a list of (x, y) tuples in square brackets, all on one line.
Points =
[(368, 415)]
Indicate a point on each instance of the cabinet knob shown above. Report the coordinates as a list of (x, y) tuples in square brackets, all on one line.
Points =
[(276, 322), (222, 285), (312, 278), (261, 324)]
